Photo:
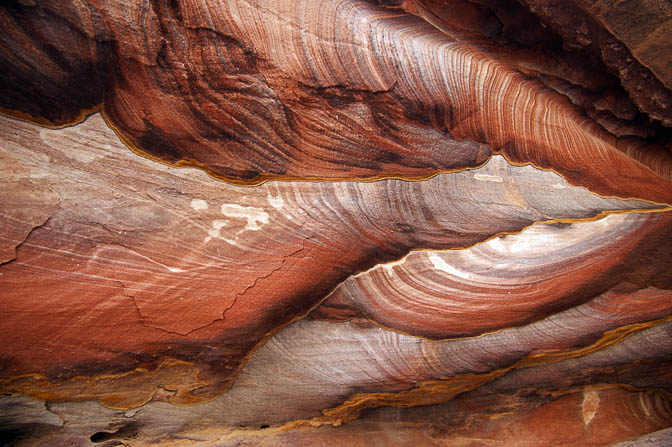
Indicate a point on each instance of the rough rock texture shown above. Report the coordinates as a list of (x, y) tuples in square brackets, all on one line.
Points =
[(415, 222)]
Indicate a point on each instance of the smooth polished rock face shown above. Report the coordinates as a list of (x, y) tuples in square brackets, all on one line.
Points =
[(414, 222)]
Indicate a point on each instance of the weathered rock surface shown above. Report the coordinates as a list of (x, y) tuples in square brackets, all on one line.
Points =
[(413, 222), (256, 90)]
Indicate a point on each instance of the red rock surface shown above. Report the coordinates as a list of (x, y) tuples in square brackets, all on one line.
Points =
[(330, 89), (512, 280), (425, 223)]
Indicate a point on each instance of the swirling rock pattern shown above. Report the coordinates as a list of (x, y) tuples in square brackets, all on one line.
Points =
[(170, 244), (419, 222), (256, 90), (510, 280)]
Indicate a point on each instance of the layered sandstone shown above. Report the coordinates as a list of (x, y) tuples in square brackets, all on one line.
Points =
[(349, 222)]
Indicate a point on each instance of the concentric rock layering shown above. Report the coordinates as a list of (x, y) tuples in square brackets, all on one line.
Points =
[(417, 222)]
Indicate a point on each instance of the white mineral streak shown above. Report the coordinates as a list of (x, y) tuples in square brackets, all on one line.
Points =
[(442, 265), (488, 178), (275, 202), (256, 217), (214, 232), (199, 204), (590, 405)]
